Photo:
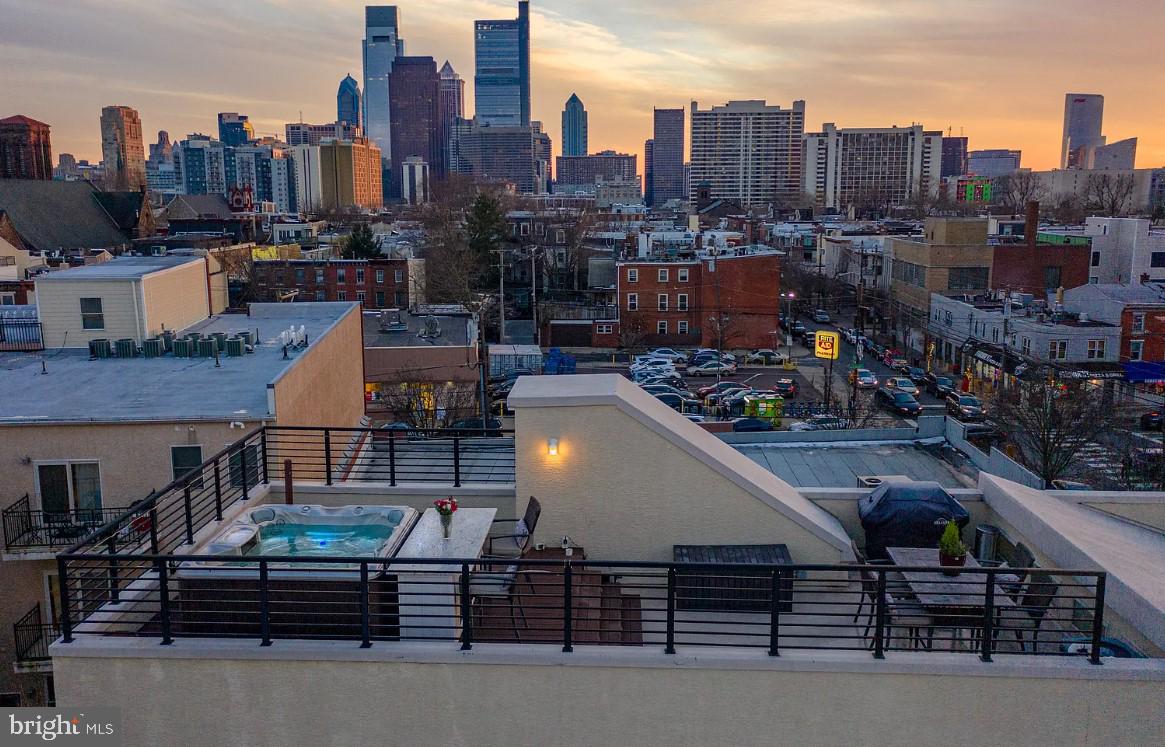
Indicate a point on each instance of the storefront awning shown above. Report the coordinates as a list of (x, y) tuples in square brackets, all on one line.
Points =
[(1145, 372), (1097, 370)]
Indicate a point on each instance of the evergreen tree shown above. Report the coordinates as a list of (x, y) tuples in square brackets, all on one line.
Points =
[(485, 229), (361, 244)]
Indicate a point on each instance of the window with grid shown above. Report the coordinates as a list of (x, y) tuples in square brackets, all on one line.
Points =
[(398, 276), (380, 299), (92, 317), (682, 327), (1095, 350), (360, 276), (968, 278), (1057, 350), (663, 302), (341, 295), (1138, 323), (1136, 349), (1026, 347), (340, 275), (632, 275), (360, 296), (632, 301), (184, 459), (662, 276), (379, 276), (661, 327), (319, 277), (682, 302), (682, 275)]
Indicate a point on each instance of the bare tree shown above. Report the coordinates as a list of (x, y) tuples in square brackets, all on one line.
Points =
[(632, 332), (1017, 189), (412, 397), (1110, 194), (1067, 209), (1051, 422)]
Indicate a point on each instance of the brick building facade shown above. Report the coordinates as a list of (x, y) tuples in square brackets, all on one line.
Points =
[(1036, 269), (25, 149), (376, 283)]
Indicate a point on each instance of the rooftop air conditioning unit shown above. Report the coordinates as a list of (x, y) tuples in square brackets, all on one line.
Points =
[(99, 348), (207, 348), (126, 348), (153, 347), (869, 481), (182, 347), (235, 347)]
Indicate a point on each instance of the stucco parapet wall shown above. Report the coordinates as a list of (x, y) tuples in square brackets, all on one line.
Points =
[(613, 390), (616, 657)]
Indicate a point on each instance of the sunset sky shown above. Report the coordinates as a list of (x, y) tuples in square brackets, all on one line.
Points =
[(996, 70)]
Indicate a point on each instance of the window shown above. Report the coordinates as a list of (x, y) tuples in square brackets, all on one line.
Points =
[(1138, 322), (1051, 277), (539, 229), (1026, 347), (560, 236), (341, 295), (340, 275), (682, 275), (319, 277), (908, 272), (91, 314), (524, 229), (632, 275), (1057, 350), (633, 302), (1093, 280), (7, 299), (1136, 349), (69, 486), (967, 278), (380, 299), (398, 299), (379, 277), (603, 329), (235, 466), (360, 276), (682, 302), (1095, 350), (360, 295), (661, 327), (682, 326), (662, 276), (995, 334), (321, 296), (184, 459), (299, 276), (1096, 259), (947, 318), (663, 302), (1157, 259)]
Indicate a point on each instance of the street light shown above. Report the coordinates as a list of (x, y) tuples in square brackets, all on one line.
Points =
[(789, 322)]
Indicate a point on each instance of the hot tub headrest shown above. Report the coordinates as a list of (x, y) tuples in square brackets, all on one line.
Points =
[(396, 515), (261, 515)]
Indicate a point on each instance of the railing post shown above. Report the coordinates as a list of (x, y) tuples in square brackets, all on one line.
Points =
[(217, 492), (775, 613), (466, 610), (114, 591), (365, 623), (153, 531), (988, 617), (327, 456), (243, 468), (264, 606), (63, 585), (392, 460), (189, 514), (567, 609), (164, 599), (263, 448), (1097, 620), (880, 612), (670, 642), (456, 460)]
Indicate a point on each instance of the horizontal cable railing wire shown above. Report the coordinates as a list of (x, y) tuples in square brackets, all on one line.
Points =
[(567, 603)]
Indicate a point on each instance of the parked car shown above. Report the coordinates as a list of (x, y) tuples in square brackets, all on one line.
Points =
[(939, 385), (1151, 421), (787, 388), (671, 354), (797, 330), (821, 316), (766, 356), (694, 418), (751, 425), (811, 339), (395, 430), (657, 366), (867, 379), (671, 380), (654, 389), (1070, 485), (678, 403), (916, 374), (488, 427), (644, 361), (721, 354), (898, 401), (964, 406), (720, 386), (719, 398), (903, 384), (821, 423), (711, 368)]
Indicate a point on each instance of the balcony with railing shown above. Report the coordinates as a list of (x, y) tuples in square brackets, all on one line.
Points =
[(40, 531), (32, 636)]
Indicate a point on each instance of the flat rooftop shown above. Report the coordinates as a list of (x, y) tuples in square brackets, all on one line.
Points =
[(122, 268), (840, 464), (71, 388), (454, 330)]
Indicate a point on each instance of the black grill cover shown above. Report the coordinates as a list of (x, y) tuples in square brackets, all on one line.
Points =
[(907, 514)]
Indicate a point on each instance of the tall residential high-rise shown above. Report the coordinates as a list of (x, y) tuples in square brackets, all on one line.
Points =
[(202, 166), (501, 79), (348, 102), (235, 128), (122, 149), (1083, 125), (302, 133), (747, 152), (382, 45), (350, 175), (451, 107), (495, 153), (160, 174), (413, 102), (954, 156), (605, 166), (574, 127), (25, 149), (667, 157), (871, 168), (993, 162), (648, 187)]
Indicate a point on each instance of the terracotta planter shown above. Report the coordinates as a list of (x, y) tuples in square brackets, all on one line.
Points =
[(951, 563)]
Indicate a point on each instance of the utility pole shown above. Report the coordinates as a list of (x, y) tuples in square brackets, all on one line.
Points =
[(482, 365), (534, 295), (1006, 323), (501, 295)]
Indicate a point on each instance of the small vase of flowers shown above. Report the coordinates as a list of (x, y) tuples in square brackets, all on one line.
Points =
[(446, 507)]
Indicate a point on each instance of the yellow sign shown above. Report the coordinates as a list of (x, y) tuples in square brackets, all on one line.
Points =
[(827, 345)]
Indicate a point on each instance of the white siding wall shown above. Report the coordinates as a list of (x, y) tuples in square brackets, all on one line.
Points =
[(59, 307)]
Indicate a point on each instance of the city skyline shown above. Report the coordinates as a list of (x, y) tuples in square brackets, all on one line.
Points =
[(917, 65)]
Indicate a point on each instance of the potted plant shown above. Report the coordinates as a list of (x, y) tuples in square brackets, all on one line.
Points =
[(952, 553), (446, 507)]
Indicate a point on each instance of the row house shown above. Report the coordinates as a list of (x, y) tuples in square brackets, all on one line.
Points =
[(1139, 311), (375, 283)]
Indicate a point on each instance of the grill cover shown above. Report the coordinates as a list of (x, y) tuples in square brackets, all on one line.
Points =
[(907, 514)]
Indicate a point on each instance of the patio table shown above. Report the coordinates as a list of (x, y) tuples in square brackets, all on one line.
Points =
[(939, 592)]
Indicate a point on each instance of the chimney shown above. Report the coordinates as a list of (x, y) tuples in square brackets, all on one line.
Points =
[(1031, 223)]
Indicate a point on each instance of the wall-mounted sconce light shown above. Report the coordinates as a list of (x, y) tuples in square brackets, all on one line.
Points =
[(552, 447)]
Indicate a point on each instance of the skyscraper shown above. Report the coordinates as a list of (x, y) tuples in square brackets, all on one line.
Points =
[(413, 102), (235, 128), (160, 175), (667, 157), (122, 149), (870, 168), (382, 45), (574, 127), (648, 188), (954, 156), (25, 149), (502, 70), (994, 162), (451, 107), (1083, 124), (747, 152), (348, 102)]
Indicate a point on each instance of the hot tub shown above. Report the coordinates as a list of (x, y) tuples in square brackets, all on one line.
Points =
[(303, 531)]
